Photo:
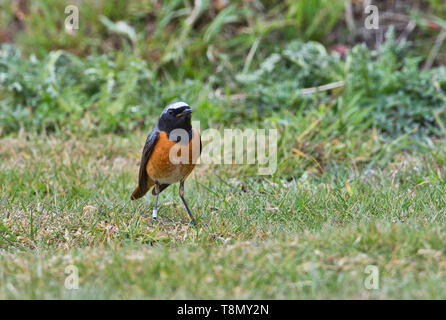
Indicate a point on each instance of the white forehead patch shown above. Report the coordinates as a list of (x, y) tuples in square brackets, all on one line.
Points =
[(177, 105)]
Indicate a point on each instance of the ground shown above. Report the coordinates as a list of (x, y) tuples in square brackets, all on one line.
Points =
[(257, 237)]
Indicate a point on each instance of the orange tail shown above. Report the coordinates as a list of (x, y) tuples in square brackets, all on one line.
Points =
[(138, 193)]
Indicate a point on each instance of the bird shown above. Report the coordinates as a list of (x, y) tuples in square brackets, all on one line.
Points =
[(169, 155)]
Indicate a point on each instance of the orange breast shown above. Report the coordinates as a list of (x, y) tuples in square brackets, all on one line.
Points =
[(167, 168)]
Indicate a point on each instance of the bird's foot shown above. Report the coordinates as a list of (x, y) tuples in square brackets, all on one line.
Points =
[(154, 214)]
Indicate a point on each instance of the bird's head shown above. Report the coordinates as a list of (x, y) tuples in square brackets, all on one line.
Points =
[(176, 115)]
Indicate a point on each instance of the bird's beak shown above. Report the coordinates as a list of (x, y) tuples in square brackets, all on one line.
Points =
[(185, 111)]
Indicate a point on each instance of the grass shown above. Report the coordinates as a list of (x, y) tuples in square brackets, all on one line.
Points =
[(326, 264), (360, 177), (65, 202)]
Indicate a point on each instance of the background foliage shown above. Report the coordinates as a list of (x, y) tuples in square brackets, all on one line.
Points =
[(128, 58)]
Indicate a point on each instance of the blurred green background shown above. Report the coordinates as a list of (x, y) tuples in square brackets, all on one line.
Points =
[(231, 60)]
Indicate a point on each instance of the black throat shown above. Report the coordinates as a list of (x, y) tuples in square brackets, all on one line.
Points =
[(168, 128)]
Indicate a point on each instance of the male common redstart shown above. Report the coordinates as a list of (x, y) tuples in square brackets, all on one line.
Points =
[(172, 137)]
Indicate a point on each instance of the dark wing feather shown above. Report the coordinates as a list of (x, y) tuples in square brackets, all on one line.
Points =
[(161, 188), (143, 177), (201, 145)]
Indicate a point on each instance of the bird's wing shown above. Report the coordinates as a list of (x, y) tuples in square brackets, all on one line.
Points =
[(195, 131), (201, 145), (143, 182)]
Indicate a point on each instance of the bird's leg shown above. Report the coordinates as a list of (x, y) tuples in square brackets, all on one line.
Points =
[(185, 203), (155, 210)]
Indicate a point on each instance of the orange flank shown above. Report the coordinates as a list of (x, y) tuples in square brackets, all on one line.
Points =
[(160, 167)]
